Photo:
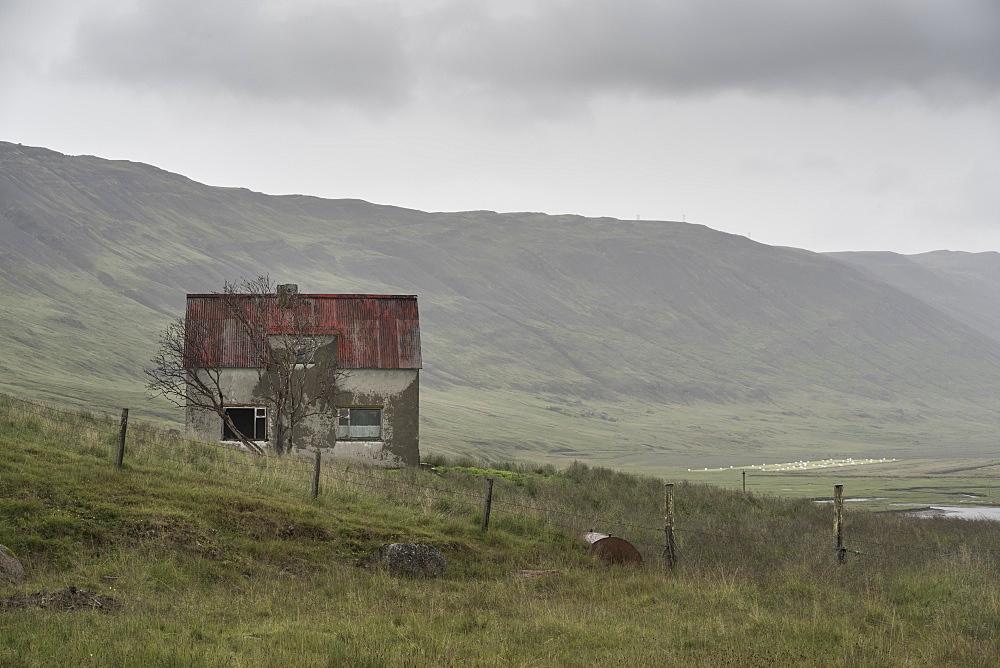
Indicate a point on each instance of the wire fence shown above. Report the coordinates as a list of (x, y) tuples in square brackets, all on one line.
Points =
[(708, 533)]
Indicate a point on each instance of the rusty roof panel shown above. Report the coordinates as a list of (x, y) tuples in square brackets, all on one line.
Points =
[(373, 331)]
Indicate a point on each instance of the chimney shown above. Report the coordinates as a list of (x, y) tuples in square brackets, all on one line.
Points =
[(287, 294)]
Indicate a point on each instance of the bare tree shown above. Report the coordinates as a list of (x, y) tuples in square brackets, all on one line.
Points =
[(299, 370), (279, 335), (176, 376)]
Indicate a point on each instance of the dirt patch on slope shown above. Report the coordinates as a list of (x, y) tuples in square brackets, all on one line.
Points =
[(69, 598)]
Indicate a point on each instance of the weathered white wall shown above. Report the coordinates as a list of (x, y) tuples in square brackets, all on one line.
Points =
[(396, 391), (238, 389)]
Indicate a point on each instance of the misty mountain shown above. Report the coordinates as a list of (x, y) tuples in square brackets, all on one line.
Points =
[(966, 286), (96, 256)]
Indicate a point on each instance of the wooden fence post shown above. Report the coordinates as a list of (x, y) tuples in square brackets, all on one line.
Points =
[(838, 521), (315, 489), (487, 504), (744, 482), (120, 454), (669, 551)]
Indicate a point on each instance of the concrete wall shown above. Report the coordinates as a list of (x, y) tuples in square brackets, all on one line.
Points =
[(238, 386), (395, 391)]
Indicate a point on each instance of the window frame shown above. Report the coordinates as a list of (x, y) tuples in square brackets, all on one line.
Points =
[(346, 412), (304, 352), (300, 351), (260, 423)]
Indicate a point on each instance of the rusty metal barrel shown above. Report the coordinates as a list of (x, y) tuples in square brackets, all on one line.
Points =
[(611, 549)]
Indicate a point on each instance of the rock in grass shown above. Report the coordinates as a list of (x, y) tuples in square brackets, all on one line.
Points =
[(10, 567), (411, 559)]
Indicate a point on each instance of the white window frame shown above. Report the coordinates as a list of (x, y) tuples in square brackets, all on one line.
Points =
[(303, 350), (346, 431), (259, 418)]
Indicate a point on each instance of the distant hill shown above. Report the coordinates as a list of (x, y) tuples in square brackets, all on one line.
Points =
[(966, 286), (546, 319)]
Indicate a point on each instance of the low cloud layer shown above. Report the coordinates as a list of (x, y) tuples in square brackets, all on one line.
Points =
[(824, 124), (662, 48), (945, 50), (253, 48)]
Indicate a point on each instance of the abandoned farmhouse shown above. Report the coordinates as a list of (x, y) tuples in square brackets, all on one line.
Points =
[(300, 373)]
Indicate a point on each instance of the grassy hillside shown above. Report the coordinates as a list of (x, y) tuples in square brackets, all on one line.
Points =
[(966, 286), (193, 556), (550, 338)]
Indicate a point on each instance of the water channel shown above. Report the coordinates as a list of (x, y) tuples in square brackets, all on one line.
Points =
[(991, 513), (960, 512)]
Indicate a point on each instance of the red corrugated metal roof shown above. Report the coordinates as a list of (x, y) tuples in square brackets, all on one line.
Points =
[(373, 331)]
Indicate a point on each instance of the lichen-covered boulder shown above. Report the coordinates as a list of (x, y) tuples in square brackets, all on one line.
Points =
[(411, 559), (10, 567)]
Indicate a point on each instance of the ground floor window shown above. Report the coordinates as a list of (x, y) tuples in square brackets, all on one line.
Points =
[(359, 423), (250, 421)]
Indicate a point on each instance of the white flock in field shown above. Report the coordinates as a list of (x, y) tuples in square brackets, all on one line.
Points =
[(803, 465)]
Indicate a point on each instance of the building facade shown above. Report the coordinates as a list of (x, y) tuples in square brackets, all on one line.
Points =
[(352, 360)]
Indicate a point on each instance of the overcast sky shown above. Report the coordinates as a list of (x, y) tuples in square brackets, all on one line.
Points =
[(820, 124)]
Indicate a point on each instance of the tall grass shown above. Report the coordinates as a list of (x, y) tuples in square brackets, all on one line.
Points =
[(217, 558)]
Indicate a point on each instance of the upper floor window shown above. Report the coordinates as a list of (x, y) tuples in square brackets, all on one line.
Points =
[(304, 351), (295, 350)]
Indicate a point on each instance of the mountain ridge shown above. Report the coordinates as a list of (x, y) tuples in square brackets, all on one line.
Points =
[(526, 305)]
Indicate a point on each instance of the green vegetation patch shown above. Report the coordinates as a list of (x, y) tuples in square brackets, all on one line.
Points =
[(198, 556)]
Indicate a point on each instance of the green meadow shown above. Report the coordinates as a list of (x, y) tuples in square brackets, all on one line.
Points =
[(714, 444), (194, 555)]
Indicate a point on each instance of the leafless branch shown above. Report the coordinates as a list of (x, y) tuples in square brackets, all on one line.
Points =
[(295, 359)]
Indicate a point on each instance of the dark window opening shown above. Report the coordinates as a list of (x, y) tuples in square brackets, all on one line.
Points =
[(251, 422), (359, 423)]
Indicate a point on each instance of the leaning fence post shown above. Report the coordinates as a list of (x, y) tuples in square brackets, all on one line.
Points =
[(120, 454), (487, 503), (669, 551), (315, 489), (838, 521)]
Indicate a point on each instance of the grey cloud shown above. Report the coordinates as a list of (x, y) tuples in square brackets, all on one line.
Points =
[(18, 25), (658, 47), (252, 48), (553, 53)]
